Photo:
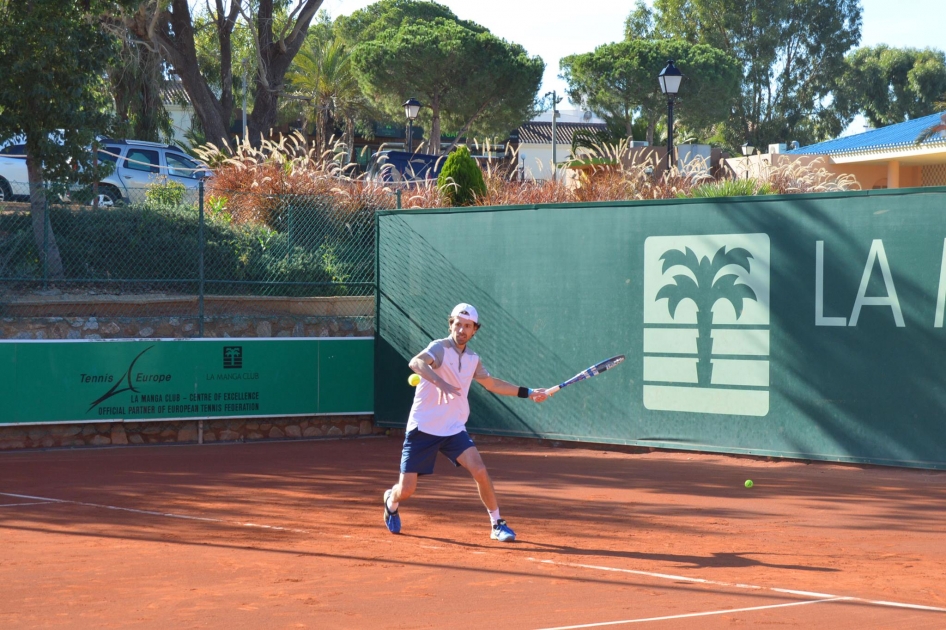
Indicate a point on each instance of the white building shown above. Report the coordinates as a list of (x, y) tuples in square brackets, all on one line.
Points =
[(178, 106), (535, 148)]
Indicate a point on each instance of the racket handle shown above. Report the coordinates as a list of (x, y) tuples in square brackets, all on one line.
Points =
[(551, 390)]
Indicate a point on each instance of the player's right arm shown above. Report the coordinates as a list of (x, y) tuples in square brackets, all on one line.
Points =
[(422, 364)]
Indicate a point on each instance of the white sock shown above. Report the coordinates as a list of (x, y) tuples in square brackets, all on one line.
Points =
[(493, 515), (392, 507)]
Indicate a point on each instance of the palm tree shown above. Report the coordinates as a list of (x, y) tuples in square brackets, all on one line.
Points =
[(323, 72), (930, 132), (705, 291)]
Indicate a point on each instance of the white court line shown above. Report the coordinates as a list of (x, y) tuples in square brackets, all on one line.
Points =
[(152, 513), (698, 614), (678, 578), (19, 504)]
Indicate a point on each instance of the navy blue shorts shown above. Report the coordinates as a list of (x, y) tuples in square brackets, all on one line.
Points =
[(420, 450)]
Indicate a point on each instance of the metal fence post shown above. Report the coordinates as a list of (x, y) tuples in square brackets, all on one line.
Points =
[(200, 262), (45, 239), (397, 193), (289, 232)]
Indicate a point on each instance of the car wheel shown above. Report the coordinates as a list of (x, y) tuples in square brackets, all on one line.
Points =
[(6, 193), (108, 197)]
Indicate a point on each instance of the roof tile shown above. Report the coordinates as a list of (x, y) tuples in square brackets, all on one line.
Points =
[(541, 132), (892, 137)]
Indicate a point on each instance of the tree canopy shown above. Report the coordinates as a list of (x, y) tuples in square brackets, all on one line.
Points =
[(53, 92), (792, 53), (471, 80), (369, 23), (890, 85), (277, 29), (619, 81)]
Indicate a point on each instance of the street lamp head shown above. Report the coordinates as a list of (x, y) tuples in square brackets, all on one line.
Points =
[(747, 149), (670, 79), (411, 108)]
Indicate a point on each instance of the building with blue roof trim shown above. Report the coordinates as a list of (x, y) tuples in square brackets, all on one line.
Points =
[(889, 157)]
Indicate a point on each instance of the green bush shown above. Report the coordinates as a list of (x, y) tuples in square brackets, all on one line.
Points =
[(461, 180), (155, 242), (165, 192), (730, 188)]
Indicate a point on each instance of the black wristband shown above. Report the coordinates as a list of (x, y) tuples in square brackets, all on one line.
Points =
[(524, 392)]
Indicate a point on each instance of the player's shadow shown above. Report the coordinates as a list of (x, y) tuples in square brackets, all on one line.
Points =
[(716, 560)]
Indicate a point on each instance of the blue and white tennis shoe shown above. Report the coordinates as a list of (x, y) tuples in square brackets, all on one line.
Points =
[(393, 519), (502, 532)]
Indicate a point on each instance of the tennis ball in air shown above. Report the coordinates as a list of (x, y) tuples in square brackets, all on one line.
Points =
[(414, 380), (749, 483)]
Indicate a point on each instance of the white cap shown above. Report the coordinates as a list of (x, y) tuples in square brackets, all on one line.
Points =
[(466, 311)]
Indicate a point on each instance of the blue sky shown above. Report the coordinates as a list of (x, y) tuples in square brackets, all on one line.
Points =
[(553, 29)]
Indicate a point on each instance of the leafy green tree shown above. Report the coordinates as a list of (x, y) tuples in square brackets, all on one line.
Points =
[(640, 23), (369, 23), (619, 82), (54, 58), (792, 53), (277, 29), (890, 85), (470, 80), (704, 288), (461, 179)]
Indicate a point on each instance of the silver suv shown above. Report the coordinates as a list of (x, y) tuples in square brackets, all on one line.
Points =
[(137, 165)]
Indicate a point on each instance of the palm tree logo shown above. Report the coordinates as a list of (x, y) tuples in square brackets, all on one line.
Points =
[(232, 357), (705, 289)]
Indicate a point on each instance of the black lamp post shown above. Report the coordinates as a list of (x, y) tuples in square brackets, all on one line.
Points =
[(670, 79), (411, 107), (747, 150)]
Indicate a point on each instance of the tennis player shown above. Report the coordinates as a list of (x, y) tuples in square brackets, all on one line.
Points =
[(437, 421)]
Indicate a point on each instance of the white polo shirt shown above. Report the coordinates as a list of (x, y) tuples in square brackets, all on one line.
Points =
[(458, 369)]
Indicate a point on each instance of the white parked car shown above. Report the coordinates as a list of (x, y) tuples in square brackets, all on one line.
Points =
[(137, 165)]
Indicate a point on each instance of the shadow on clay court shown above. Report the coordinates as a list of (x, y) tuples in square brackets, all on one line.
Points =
[(715, 560), (295, 481), (675, 587)]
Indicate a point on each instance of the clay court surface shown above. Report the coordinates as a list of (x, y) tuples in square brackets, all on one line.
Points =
[(290, 535)]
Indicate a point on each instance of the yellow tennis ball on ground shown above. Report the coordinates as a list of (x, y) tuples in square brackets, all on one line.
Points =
[(749, 483), (414, 380)]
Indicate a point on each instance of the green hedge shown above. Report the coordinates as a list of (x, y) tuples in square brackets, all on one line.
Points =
[(152, 242)]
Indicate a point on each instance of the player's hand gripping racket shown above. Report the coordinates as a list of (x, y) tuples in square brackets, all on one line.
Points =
[(594, 370)]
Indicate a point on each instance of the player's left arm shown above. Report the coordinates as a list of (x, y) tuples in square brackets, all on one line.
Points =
[(505, 388)]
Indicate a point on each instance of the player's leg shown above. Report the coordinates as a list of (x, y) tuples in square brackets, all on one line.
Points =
[(473, 462), (417, 458), (403, 489)]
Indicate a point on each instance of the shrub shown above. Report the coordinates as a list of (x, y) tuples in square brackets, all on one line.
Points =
[(165, 192), (731, 188), (461, 180), (255, 179), (159, 244)]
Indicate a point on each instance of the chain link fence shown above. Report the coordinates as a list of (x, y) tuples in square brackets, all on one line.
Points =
[(172, 261)]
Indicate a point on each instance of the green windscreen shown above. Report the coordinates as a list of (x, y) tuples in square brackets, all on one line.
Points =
[(804, 326), (169, 379)]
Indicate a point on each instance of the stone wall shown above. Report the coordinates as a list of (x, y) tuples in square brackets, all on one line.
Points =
[(112, 327), (56, 315), (183, 432), (59, 316)]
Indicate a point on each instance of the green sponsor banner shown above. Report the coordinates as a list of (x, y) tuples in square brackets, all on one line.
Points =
[(808, 326), (171, 379)]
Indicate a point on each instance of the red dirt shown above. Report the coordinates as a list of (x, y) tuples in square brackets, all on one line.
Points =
[(861, 532)]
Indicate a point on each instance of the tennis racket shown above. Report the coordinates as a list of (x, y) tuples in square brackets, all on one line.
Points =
[(594, 370)]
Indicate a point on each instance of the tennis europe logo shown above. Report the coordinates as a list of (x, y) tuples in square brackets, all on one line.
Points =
[(706, 324)]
